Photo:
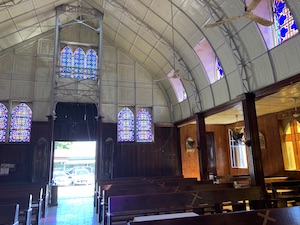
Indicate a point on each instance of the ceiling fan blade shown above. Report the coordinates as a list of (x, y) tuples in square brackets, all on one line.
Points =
[(157, 80), (218, 23), (258, 19), (253, 5)]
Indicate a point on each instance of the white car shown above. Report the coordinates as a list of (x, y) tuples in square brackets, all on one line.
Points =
[(82, 176), (60, 178)]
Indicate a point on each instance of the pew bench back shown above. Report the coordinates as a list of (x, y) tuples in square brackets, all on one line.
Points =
[(278, 216), (126, 207), (9, 214)]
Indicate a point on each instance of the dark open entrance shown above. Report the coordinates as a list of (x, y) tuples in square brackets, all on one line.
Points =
[(75, 132), (75, 122)]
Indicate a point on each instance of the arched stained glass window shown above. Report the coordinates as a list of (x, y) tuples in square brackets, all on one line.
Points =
[(3, 121), (79, 56), (66, 62), (219, 69), (20, 125), (143, 126), (91, 63), (78, 65), (125, 125), (285, 24)]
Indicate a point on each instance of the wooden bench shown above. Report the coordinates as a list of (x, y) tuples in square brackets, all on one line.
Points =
[(9, 214), (285, 191), (278, 216), (242, 180), (19, 192), (25, 207), (117, 191), (141, 183), (124, 208)]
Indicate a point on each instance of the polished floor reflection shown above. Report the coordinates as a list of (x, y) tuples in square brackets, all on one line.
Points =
[(75, 207)]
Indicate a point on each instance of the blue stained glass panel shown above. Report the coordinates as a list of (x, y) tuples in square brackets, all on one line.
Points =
[(79, 57), (125, 125), (219, 69), (20, 126), (91, 63), (144, 126), (66, 62), (3, 121), (284, 21)]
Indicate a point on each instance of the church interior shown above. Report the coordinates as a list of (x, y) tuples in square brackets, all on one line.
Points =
[(194, 101)]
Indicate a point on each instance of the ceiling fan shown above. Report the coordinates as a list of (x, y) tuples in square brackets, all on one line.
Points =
[(247, 14), (174, 73)]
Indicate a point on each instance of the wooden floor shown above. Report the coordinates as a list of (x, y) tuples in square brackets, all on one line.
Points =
[(75, 207)]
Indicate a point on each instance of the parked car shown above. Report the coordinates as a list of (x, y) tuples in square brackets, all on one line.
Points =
[(61, 178), (82, 176)]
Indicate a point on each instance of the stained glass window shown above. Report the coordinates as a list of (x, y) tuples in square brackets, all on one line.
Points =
[(20, 125), (3, 122), (66, 63), (79, 56), (285, 24), (219, 69), (125, 125), (143, 126), (91, 63), (78, 65)]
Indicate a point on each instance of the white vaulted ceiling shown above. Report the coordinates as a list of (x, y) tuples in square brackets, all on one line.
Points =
[(150, 30)]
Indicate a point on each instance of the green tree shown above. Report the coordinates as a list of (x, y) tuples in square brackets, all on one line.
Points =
[(63, 145)]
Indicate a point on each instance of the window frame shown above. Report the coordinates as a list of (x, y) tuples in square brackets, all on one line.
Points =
[(237, 149)]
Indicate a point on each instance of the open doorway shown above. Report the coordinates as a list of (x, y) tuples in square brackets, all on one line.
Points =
[(74, 168)]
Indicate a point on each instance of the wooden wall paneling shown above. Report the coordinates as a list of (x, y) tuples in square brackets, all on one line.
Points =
[(272, 158), (149, 159), (221, 148), (189, 157)]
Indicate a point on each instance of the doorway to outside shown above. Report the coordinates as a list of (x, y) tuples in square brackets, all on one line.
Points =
[(74, 169)]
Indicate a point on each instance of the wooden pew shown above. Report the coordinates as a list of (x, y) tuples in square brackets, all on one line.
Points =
[(13, 192), (113, 191), (285, 191), (9, 214), (153, 182), (124, 208), (129, 180), (25, 207), (242, 180), (278, 216)]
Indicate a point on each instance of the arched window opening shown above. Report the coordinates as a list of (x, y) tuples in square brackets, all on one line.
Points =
[(290, 141), (143, 126), (66, 62), (79, 58), (20, 126), (78, 64), (125, 125), (3, 122), (219, 69), (286, 26), (91, 63), (209, 60)]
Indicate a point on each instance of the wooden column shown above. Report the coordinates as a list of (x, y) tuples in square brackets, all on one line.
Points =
[(99, 158), (202, 146), (51, 146), (251, 129)]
